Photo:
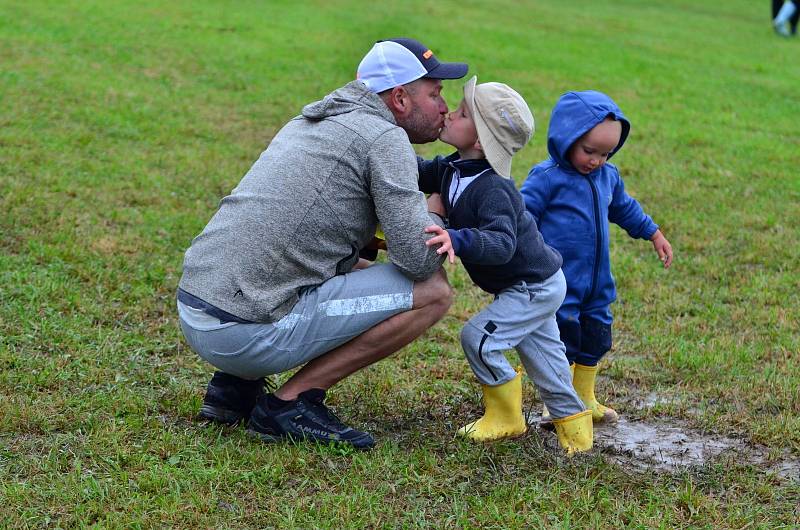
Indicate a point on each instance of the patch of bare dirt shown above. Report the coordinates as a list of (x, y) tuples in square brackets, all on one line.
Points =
[(669, 445)]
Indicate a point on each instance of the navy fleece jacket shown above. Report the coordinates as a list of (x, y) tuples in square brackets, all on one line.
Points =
[(495, 237)]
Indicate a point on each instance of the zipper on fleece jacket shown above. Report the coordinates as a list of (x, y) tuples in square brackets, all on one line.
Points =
[(596, 205)]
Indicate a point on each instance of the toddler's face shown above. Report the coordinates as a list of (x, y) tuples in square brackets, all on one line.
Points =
[(459, 128), (591, 150)]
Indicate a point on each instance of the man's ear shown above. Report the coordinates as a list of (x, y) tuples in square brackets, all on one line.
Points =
[(398, 101), (478, 145)]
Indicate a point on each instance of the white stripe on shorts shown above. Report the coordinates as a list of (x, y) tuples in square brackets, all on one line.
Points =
[(366, 304)]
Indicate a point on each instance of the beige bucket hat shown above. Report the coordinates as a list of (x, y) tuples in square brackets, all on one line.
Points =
[(503, 121)]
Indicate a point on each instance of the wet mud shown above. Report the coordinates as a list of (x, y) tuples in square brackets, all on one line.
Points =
[(669, 445), (665, 445)]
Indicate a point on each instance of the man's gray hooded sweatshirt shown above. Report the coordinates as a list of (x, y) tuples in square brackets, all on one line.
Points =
[(311, 201)]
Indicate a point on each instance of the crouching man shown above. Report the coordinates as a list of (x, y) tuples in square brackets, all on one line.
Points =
[(269, 284)]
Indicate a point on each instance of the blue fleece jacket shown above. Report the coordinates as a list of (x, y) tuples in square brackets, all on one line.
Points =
[(573, 210), (491, 231)]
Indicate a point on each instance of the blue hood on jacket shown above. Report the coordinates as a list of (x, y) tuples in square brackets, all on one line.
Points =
[(575, 114)]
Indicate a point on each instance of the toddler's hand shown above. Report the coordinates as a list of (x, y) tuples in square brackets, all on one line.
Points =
[(663, 248), (442, 238)]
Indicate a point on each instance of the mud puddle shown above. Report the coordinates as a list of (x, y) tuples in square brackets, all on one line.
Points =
[(667, 445)]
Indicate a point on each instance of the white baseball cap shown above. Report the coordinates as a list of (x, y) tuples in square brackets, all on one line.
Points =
[(395, 62)]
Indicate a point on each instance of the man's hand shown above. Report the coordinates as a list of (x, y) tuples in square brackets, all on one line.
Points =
[(663, 248), (435, 205), (441, 238)]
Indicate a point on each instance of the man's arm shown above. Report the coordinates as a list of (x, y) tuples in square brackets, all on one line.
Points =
[(400, 205)]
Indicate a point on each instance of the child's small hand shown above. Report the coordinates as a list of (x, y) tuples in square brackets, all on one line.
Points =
[(441, 238), (663, 248), (435, 204)]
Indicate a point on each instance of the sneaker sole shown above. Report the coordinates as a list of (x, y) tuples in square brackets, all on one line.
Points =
[(269, 438), (274, 438)]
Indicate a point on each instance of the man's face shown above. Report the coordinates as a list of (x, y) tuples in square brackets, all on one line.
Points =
[(428, 109), (591, 150)]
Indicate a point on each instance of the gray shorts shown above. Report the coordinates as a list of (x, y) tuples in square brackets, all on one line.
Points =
[(325, 317)]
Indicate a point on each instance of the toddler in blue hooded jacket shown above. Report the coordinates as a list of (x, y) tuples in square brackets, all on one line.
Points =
[(573, 195)]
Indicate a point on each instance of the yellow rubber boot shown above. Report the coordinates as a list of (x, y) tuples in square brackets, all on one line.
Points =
[(583, 381), (575, 433), (503, 417)]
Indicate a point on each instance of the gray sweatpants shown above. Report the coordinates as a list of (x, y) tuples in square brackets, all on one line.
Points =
[(524, 317)]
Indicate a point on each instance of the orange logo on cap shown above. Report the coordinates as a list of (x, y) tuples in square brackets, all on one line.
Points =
[(428, 54)]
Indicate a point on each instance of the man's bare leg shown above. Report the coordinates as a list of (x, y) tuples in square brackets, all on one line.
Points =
[(432, 299)]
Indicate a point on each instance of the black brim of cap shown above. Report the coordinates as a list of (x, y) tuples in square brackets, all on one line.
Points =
[(448, 71)]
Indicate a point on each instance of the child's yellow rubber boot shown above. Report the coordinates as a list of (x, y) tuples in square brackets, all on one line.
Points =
[(575, 433), (583, 381), (503, 417)]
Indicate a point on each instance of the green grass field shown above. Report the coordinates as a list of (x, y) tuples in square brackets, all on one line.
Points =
[(122, 124)]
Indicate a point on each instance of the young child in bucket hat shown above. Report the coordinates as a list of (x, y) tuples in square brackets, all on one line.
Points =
[(501, 248)]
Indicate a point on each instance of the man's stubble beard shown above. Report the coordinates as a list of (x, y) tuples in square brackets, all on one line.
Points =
[(418, 130)]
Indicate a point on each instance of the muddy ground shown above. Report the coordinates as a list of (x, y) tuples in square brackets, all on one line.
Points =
[(670, 445)]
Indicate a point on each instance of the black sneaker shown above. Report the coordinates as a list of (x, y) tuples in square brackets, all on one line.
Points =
[(230, 399), (308, 418)]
